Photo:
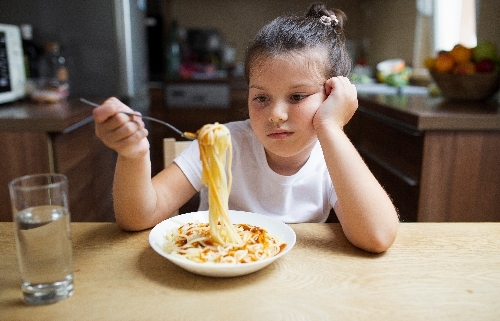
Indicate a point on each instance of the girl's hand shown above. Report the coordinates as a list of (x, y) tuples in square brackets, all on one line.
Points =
[(339, 106), (125, 134)]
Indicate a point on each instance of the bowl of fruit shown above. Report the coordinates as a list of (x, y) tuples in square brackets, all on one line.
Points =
[(466, 74)]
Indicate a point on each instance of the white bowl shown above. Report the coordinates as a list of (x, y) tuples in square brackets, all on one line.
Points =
[(274, 227)]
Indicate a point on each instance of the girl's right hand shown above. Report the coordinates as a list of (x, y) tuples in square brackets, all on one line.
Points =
[(339, 106), (125, 134)]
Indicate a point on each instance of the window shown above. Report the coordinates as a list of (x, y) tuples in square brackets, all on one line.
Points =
[(441, 24), (454, 22)]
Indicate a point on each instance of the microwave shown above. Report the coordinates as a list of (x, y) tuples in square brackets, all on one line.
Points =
[(12, 72)]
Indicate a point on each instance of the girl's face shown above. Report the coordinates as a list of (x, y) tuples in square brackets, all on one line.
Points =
[(284, 94)]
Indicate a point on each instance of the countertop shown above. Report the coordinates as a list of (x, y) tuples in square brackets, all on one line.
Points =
[(58, 117), (416, 109), (433, 271)]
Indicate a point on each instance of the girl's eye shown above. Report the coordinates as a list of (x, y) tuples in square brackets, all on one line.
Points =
[(297, 97), (260, 99)]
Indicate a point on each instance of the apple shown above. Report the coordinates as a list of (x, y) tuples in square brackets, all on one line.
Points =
[(485, 65), (485, 49), (465, 68)]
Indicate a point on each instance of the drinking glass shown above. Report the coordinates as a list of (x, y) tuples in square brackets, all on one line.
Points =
[(43, 237)]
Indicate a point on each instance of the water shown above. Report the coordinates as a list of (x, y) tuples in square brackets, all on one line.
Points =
[(45, 254)]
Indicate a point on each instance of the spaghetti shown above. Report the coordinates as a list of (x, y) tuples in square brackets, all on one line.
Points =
[(219, 240), (193, 241), (215, 152)]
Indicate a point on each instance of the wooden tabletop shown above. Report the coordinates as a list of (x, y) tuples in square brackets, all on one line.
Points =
[(434, 271)]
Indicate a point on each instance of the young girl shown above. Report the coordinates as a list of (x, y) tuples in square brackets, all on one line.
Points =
[(291, 159)]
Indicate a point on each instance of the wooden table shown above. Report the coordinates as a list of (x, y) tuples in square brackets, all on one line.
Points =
[(434, 271)]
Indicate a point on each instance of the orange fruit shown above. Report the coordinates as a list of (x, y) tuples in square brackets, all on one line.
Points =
[(444, 63), (429, 62), (465, 68), (461, 53)]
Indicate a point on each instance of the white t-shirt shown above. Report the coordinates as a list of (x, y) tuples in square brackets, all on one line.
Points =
[(306, 196)]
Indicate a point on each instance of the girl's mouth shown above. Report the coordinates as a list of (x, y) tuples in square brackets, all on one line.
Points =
[(280, 135)]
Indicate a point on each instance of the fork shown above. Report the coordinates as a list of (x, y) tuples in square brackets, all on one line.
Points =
[(187, 135)]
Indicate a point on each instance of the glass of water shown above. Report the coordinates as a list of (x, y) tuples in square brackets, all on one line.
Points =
[(43, 237)]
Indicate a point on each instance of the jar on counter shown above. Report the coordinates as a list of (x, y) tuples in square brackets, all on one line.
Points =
[(53, 66), (52, 86)]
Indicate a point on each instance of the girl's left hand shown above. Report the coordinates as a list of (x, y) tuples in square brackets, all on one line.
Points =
[(339, 106)]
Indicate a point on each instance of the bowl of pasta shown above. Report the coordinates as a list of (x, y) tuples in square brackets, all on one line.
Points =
[(185, 240)]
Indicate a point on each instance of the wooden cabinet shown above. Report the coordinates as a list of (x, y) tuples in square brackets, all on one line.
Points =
[(461, 177), (59, 138), (89, 166), (393, 152), (438, 161)]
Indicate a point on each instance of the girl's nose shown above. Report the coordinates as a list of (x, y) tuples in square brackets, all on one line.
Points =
[(278, 113)]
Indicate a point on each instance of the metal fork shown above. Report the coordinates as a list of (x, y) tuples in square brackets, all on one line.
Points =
[(187, 135)]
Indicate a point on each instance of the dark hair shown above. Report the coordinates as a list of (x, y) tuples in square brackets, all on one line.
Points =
[(288, 34)]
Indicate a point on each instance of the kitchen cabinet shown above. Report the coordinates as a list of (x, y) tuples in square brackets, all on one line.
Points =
[(393, 151), (57, 138), (438, 160)]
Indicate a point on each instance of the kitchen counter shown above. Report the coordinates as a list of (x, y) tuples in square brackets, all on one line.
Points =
[(437, 159), (60, 138), (434, 113), (28, 116)]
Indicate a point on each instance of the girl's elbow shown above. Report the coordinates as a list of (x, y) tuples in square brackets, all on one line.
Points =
[(380, 245), (382, 240), (126, 222), (127, 227)]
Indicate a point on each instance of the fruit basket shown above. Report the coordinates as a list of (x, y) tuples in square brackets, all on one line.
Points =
[(467, 87)]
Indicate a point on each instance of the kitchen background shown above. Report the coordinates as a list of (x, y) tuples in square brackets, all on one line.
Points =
[(379, 29), (118, 48), (103, 42), (89, 31)]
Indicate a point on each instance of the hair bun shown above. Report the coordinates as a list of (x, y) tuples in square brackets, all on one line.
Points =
[(318, 10)]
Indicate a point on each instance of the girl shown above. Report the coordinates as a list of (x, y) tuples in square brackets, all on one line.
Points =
[(291, 158)]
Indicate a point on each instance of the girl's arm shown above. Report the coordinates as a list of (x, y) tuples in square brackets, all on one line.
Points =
[(364, 209), (139, 201)]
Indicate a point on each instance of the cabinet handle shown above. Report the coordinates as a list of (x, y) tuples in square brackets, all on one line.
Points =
[(387, 166), (390, 122)]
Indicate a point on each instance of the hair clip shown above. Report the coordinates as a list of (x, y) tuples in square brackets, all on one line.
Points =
[(328, 20)]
